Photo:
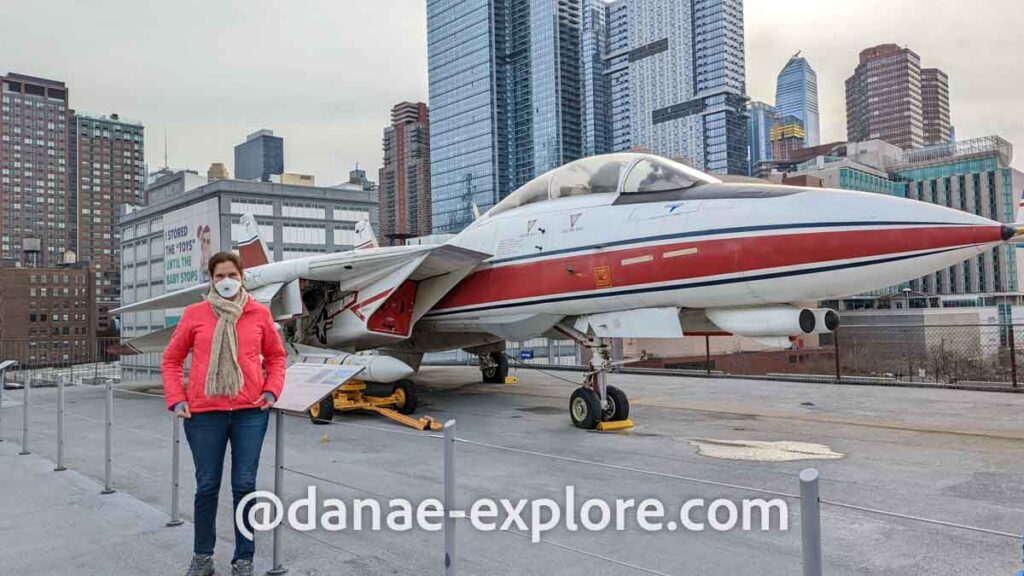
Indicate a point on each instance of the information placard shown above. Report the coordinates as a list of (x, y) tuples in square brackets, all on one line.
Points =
[(307, 384)]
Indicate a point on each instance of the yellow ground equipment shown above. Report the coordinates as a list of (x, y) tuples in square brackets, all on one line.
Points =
[(613, 425), (352, 396)]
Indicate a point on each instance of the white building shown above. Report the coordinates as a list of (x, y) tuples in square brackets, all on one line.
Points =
[(165, 245)]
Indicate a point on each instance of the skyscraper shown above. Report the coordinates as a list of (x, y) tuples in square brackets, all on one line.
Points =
[(796, 94), (505, 91), (108, 170), (885, 99), (686, 84), (261, 155), (759, 134), (597, 136), (616, 61), (404, 193), (38, 207), (935, 106)]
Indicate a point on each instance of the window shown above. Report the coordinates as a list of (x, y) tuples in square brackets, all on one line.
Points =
[(591, 176), (254, 207), (296, 210), (657, 175)]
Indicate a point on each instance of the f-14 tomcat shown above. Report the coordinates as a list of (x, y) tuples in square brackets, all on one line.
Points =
[(620, 245)]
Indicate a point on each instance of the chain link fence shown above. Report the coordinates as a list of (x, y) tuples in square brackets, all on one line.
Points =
[(959, 355)]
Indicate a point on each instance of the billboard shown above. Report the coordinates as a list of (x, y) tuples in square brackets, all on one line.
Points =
[(191, 237)]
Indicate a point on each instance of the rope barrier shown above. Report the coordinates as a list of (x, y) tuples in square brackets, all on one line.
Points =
[(513, 532), (336, 483), (629, 469), (591, 554), (921, 519)]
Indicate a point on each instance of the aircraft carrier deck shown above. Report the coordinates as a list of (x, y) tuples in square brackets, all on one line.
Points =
[(950, 455)]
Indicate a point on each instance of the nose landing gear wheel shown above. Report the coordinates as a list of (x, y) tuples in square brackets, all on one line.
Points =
[(584, 408), (618, 405)]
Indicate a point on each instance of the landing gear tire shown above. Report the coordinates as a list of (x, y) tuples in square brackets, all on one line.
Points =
[(322, 412), (496, 373), (585, 408), (408, 400), (618, 405)]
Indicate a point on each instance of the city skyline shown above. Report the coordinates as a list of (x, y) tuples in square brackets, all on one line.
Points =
[(208, 85)]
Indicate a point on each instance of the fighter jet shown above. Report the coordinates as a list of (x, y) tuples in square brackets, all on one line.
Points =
[(618, 245)]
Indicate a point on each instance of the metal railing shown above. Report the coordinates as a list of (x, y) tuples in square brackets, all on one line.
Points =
[(808, 497)]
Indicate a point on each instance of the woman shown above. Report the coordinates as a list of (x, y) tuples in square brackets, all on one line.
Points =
[(237, 374)]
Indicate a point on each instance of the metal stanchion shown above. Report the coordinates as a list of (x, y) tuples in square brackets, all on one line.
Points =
[(278, 568), (3, 384), (108, 487), (1013, 356), (707, 354), (449, 498), (175, 472), (810, 522), (61, 404), (835, 347), (25, 402)]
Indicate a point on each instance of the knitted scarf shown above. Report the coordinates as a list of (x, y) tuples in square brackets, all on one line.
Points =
[(224, 375)]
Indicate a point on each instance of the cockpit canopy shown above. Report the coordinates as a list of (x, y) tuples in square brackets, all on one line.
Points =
[(623, 173)]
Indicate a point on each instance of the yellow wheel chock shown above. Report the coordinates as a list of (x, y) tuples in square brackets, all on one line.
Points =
[(615, 425)]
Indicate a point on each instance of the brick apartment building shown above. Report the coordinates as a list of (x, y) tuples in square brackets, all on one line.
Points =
[(46, 317)]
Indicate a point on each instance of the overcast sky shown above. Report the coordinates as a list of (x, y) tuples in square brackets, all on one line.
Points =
[(324, 74)]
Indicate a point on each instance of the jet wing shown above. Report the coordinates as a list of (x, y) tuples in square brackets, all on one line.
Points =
[(177, 299), (445, 259), (152, 342), (352, 270)]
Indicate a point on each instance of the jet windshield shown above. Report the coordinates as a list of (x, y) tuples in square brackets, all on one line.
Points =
[(607, 174)]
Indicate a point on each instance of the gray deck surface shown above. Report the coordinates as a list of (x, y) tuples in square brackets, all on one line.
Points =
[(945, 454)]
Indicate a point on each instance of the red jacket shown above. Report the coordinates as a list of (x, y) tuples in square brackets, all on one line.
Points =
[(259, 350)]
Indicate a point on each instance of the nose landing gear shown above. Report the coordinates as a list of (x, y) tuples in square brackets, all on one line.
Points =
[(596, 404)]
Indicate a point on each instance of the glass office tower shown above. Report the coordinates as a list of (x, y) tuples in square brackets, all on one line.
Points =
[(683, 70), (505, 99), (597, 131), (465, 117), (796, 94), (759, 133)]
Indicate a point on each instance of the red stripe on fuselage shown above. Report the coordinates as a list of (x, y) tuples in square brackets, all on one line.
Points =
[(576, 273)]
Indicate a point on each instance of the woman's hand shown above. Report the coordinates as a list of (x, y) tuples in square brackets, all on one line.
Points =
[(182, 410), (266, 401)]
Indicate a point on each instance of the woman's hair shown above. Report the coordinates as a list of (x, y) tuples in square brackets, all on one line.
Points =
[(221, 257)]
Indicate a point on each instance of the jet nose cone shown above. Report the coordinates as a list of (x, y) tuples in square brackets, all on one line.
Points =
[(1009, 232)]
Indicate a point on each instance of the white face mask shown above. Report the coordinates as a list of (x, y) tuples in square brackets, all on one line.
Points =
[(228, 287)]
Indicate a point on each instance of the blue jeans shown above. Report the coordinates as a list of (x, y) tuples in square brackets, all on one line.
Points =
[(208, 435)]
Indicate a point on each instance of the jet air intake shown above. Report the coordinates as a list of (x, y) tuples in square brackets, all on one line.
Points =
[(774, 320)]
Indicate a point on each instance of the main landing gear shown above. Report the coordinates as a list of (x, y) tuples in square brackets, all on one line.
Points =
[(596, 404), (494, 367)]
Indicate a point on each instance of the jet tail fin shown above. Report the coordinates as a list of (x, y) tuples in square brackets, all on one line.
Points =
[(252, 248), (365, 238)]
